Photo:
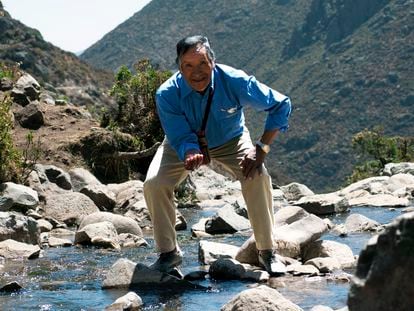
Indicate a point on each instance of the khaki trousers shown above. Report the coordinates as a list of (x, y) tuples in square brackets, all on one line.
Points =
[(166, 171)]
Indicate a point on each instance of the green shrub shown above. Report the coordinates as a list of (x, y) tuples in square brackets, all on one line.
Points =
[(377, 150), (9, 156), (135, 97)]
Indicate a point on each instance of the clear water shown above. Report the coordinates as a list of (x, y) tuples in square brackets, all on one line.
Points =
[(71, 278)]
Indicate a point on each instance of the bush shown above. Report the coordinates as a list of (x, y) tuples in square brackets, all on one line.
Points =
[(136, 118), (9, 156), (377, 150), (135, 97), (15, 165)]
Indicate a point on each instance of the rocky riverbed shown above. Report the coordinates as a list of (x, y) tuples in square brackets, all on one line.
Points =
[(68, 242)]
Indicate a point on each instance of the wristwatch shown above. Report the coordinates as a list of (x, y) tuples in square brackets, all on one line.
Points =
[(264, 147)]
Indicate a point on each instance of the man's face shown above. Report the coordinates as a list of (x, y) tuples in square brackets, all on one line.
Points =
[(197, 68)]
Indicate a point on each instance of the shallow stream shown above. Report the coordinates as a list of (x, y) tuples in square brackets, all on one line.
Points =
[(71, 278)]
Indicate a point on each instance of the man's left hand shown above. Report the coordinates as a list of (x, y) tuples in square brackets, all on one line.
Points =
[(252, 163)]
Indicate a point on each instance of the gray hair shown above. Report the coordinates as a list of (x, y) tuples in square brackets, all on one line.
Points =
[(189, 42)]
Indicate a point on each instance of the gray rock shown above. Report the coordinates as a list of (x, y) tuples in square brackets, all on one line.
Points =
[(17, 197), (384, 274), (81, 177), (47, 98), (208, 252), (399, 181), (30, 117), (397, 168), (231, 269), (6, 84), (295, 191), (10, 287), (323, 204), (54, 175), (121, 223), (226, 221), (364, 184), (100, 195), (299, 269), (102, 234), (43, 225), (52, 241), (358, 222), (324, 264), (18, 227), (130, 302), (131, 240), (379, 200), (261, 298), (69, 207), (27, 89), (11, 249), (289, 240), (327, 248), (288, 215), (125, 273)]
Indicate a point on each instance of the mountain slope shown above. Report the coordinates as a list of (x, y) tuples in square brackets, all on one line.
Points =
[(346, 64), (50, 65)]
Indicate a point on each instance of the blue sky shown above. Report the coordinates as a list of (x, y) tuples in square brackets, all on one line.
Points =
[(73, 25)]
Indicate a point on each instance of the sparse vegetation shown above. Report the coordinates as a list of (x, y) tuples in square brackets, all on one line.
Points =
[(377, 150), (135, 96), (15, 165), (133, 131)]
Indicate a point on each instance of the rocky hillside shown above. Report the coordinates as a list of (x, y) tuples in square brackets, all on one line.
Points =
[(346, 65), (58, 71)]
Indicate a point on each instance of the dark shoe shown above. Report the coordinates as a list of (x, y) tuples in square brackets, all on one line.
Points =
[(168, 261), (269, 261)]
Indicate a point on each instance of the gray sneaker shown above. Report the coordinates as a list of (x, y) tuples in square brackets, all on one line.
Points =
[(168, 261), (269, 261)]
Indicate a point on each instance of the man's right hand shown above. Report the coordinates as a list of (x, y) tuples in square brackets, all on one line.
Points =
[(193, 159)]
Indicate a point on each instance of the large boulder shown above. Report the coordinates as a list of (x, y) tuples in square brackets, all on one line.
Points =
[(17, 197), (358, 222), (30, 117), (69, 207), (261, 298), (101, 234), (208, 252), (379, 200), (11, 249), (288, 215), (384, 275), (81, 177), (125, 273), (365, 184), (397, 168), (54, 174), (121, 223), (101, 196), (18, 227), (323, 204), (26, 90), (226, 221), (294, 191), (289, 240), (326, 248)]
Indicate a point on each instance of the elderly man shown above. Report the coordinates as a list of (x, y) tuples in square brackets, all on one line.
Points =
[(181, 103)]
